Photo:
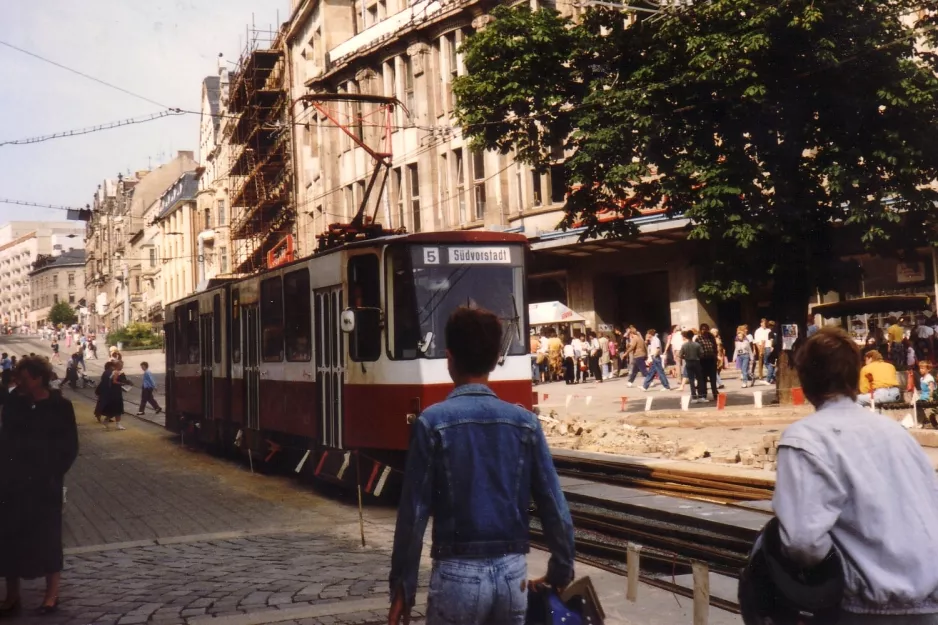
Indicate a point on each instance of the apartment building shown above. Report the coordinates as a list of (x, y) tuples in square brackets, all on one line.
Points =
[(22, 243), (177, 220), (213, 246), (410, 51), (59, 277), (114, 238)]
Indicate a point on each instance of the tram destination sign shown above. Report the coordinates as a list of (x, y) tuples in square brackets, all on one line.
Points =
[(468, 255)]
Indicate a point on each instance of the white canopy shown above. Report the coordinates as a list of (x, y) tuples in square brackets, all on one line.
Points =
[(546, 313)]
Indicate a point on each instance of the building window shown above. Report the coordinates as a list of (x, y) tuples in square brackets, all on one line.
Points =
[(356, 121), (192, 333), (478, 184), (272, 320), (397, 188), (518, 193), (236, 325), (55, 299), (460, 185), (558, 183), (349, 203), (221, 212), (152, 257), (414, 180), (138, 283), (298, 317), (71, 279), (409, 100), (536, 184), (391, 90), (223, 260), (373, 15), (359, 196), (444, 190), (208, 219), (55, 281)]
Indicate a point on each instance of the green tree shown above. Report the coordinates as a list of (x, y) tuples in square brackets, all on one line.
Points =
[(769, 124), (62, 313)]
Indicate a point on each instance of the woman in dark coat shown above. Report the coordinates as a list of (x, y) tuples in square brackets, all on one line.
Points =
[(38, 444)]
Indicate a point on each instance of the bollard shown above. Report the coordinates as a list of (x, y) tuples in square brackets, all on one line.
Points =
[(721, 401), (632, 571), (648, 404), (797, 396), (589, 400), (622, 405), (701, 592), (685, 403), (569, 399), (299, 467), (546, 395), (757, 397)]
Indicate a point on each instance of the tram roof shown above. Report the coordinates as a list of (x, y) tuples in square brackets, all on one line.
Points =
[(444, 237)]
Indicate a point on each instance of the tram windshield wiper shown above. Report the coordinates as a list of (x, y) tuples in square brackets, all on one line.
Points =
[(514, 323)]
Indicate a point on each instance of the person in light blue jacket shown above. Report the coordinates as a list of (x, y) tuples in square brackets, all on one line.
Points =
[(857, 482)]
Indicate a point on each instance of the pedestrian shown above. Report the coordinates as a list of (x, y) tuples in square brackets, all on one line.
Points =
[(708, 362), (569, 361), (655, 366), (38, 444), (877, 506), (103, 390), (743, 351), (595, 353), (760, 341), (55, 351), (113, 408), (475, 463), (690, 356), (147, 388)]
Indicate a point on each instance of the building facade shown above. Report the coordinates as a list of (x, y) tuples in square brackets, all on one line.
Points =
[(116, 243), (22, 243), (177, 220), (213, 245), (59, 277)]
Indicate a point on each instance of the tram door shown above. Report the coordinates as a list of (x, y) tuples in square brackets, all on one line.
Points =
[(330, 365), (252, 373), (169, 345), (206, 350)]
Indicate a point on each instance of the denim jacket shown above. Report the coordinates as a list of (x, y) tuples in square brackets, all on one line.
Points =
[(474, 463)]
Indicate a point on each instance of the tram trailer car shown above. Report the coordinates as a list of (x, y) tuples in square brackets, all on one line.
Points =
[(322, 365)]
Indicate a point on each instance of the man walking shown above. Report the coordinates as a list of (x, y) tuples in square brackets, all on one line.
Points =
[(760, 338), (474, 464), (146, 391), (858, 480), (639, 353), (708, 362), (654, 363)]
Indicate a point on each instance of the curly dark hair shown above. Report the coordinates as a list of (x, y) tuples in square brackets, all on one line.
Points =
[(36, 367), (473, 338)]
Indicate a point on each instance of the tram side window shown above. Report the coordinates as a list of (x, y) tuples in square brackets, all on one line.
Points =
[(364, 282), (192, 333), (181, 323), (216, 327), (236, 325), (272, 320), (298, 326)]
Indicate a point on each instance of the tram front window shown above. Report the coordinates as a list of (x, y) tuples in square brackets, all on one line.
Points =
[(430, 282)]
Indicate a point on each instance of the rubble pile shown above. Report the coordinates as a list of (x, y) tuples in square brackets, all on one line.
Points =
[(615, 435)]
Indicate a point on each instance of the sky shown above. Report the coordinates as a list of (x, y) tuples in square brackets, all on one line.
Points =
[(160, 49)]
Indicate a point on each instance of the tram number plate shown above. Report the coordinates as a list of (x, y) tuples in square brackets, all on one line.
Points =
[(431, 256)]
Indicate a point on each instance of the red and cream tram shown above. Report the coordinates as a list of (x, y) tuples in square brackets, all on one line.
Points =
[(340, 351)]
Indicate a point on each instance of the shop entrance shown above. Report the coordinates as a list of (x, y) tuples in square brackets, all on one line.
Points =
[(641, 300)]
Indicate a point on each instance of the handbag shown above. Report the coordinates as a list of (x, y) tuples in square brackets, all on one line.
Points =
[(577, 605)]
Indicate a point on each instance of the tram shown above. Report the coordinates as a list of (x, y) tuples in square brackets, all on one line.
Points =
[(329, 359)]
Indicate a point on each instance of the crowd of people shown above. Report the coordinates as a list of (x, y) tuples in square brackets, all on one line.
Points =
[(693, 357)]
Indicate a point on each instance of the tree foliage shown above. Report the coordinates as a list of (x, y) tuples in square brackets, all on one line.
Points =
[(62, 313), (769, 124)]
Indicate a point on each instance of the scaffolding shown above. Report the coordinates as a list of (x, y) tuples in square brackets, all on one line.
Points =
[(260, 135)]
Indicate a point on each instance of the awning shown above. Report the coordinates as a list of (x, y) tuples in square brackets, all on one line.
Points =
[(546, 313), (873, 305)]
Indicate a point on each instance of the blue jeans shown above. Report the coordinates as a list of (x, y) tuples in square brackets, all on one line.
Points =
[(742, 363), (468, 591), (770, 368), (881, 396), (656, 367)]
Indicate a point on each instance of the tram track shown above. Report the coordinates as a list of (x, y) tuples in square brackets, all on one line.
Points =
[(670, 539)]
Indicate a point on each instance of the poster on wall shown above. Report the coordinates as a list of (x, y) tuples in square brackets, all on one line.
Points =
[(789, 335)]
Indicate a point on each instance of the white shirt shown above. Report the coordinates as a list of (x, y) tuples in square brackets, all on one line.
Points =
[(761, 336), (925, 332), (577, 345), (568, 351), (677, 339), (654, 346), (542, 347)]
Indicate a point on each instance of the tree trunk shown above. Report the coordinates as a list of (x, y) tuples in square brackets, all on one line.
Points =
[(790, 297)]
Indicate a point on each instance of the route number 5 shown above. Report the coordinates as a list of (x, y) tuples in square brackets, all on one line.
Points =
[(431, 256)]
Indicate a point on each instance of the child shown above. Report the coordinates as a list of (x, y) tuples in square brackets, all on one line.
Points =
[(743, 352), (926, 382), (146, 391)]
